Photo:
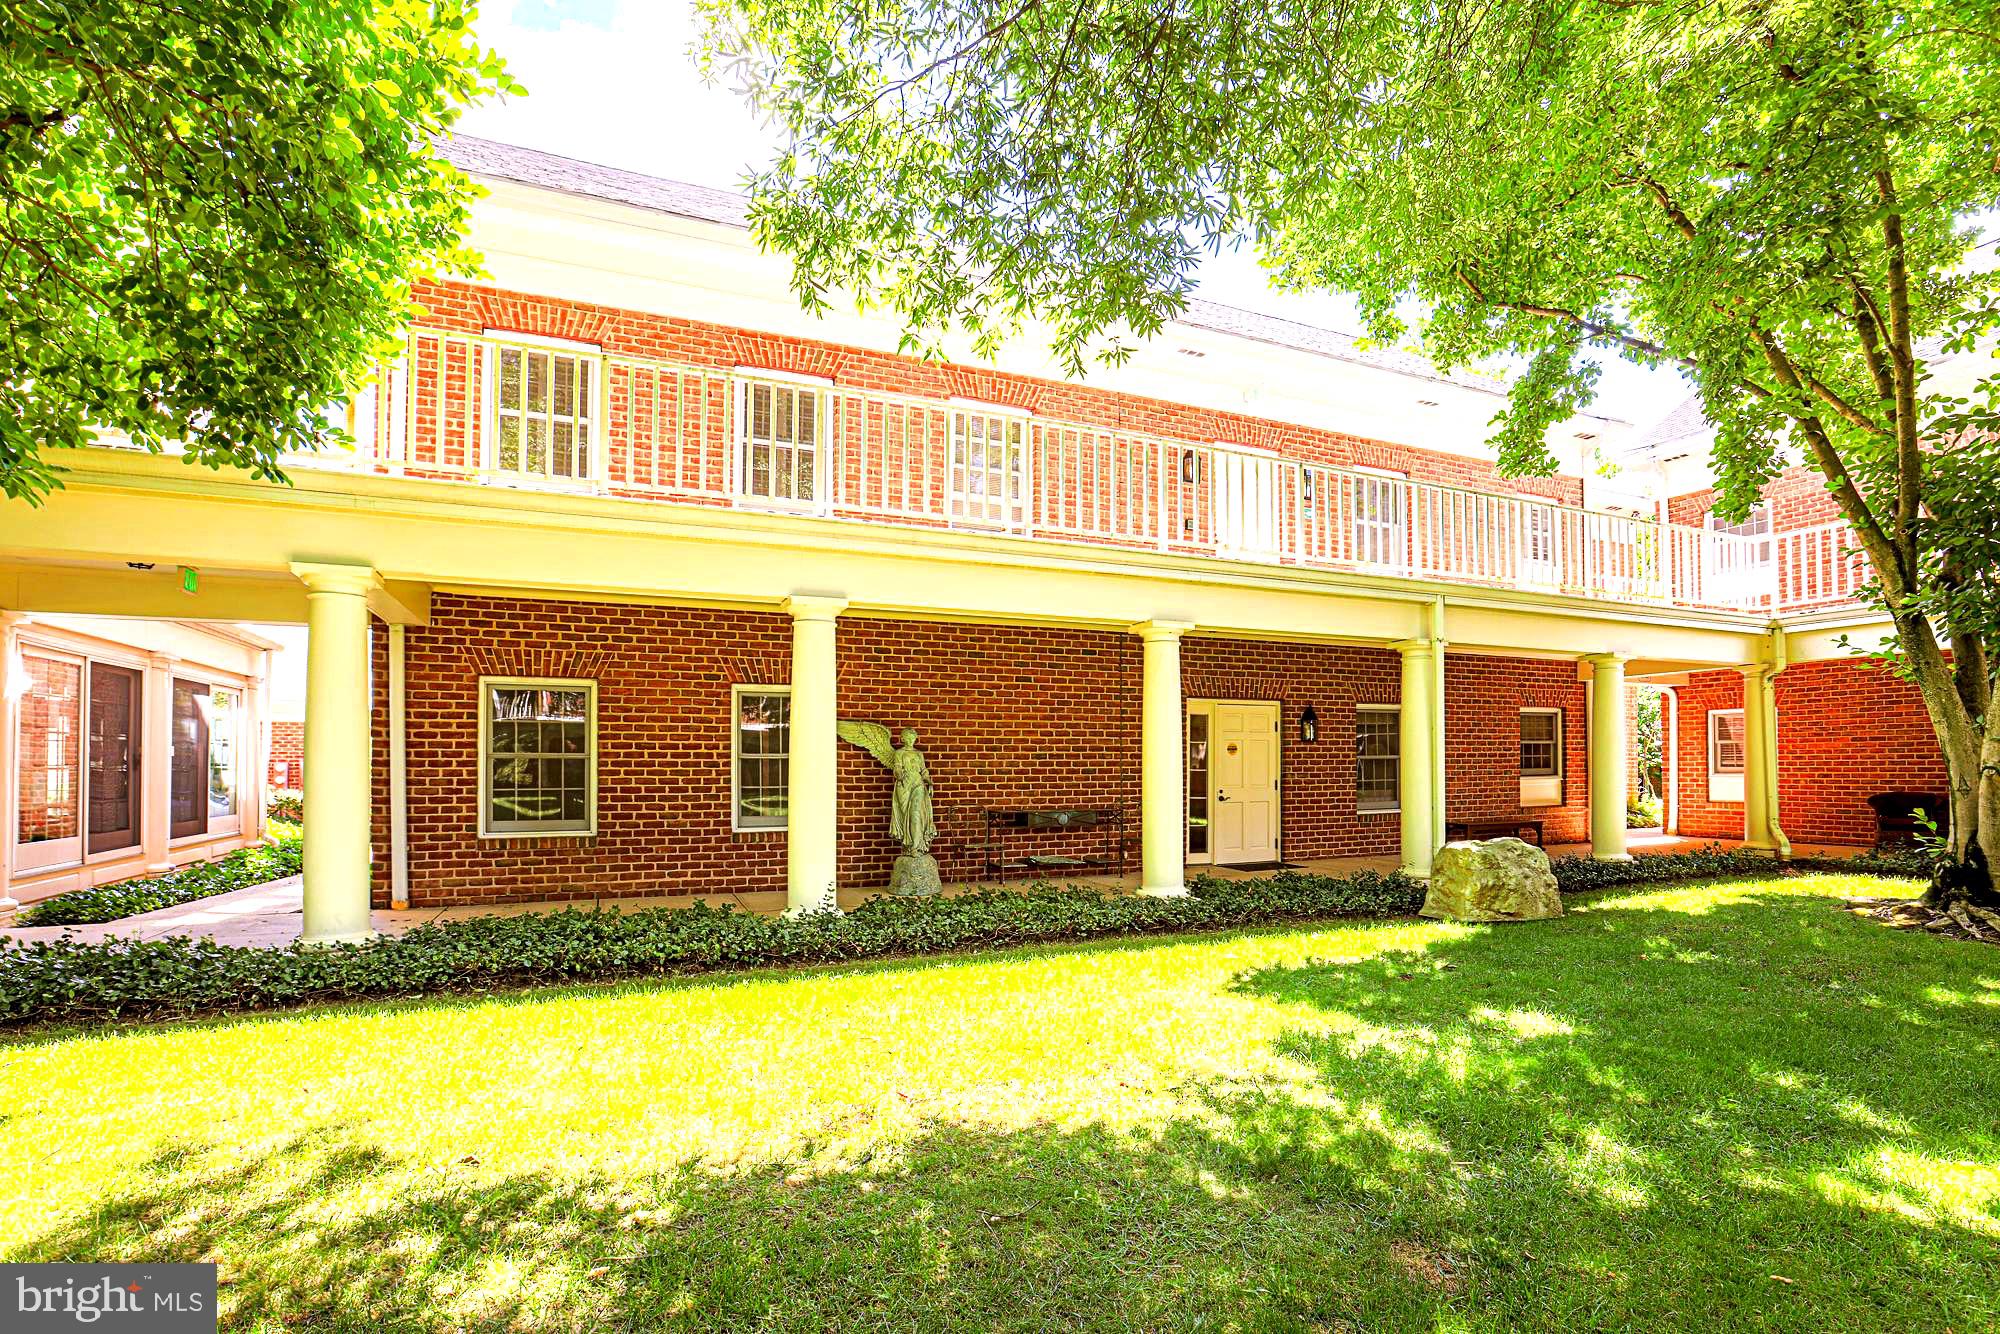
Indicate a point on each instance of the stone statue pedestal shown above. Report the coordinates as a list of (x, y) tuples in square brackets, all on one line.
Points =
[(915, 876)]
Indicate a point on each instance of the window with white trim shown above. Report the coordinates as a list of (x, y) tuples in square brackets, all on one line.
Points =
[(780, 434), (760, 756), (1755, 524), (989, 467), (542, 408), (1381, 500), (1378, 758), (1541, 743), (1725, 741), (537, 756)]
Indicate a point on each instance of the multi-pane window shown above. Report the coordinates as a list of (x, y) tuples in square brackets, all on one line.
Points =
[(779, 429), (1725, 741), (1197, 784), (544, 410), (1541, 743), (1755, 524), (761, 756), (989, 461), (1377, 759), (538, 770), (1379, 501)]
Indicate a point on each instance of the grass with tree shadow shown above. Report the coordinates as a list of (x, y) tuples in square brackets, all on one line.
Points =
[(1731, 1106)]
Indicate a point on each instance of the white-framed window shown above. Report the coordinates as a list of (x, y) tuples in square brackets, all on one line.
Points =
[(989, 466), (760, 756), (537, 756), (1381, 506), (1725, 755), (1541, 757), (780, 441), (1725, 741), (1378, 758), (542, 414), (1755, 525)]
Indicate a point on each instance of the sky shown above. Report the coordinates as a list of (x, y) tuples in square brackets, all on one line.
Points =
[(613, 82)]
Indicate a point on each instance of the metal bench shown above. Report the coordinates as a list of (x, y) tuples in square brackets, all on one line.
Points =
[(1527, 830)]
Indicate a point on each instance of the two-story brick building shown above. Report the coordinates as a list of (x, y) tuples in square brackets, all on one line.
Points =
[(624, 533)]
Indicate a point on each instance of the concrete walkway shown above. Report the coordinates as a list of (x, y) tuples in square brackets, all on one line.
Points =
[(269, 915)]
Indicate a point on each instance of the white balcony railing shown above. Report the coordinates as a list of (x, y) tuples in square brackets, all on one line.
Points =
[(461, 406)]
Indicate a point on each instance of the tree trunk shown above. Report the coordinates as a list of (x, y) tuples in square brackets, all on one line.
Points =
[(1972, 767)]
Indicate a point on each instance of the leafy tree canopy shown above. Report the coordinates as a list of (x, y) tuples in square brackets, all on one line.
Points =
[(210, 212), (1771, 195)]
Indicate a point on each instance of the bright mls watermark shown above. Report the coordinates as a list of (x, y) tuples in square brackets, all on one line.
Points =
[(156, 1299)]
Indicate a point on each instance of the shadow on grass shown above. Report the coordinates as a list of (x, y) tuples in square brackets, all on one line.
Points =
[(1761, 1115)]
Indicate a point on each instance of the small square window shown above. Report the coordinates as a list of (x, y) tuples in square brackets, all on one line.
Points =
[(1725, 741), (538, 760), (760, 760)]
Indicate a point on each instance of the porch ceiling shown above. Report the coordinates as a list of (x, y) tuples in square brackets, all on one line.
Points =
[(70, 554)]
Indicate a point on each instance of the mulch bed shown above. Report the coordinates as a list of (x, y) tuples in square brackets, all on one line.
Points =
[(1963, 921)]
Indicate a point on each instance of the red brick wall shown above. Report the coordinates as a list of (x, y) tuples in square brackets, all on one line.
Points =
[(464, 308), (1698, 816), (1483, 699), (1007, 716), (1846, 731), (1798, 499), (289, 751)]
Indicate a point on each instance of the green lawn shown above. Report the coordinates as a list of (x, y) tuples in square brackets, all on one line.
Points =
[(1724, 1107)]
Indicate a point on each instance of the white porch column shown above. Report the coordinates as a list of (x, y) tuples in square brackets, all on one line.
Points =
[(13, 684), (812, 854), (1608, 761), (1162, 763), (1759, 749), (1416, 799), (156, 760), (337, 751)]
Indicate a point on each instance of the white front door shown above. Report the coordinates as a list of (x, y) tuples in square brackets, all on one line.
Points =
[(1243, 759)]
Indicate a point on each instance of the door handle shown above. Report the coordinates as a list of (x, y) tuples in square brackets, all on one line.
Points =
[(1222, 796)]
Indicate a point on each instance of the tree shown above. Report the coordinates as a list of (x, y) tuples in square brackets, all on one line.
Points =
[(1770, 196), (210, 213)]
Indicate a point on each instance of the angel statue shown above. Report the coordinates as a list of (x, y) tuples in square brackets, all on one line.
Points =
[(910, 821)]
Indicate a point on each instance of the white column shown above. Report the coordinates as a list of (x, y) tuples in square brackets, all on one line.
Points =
[(1162, 762), (1415, 723), (1759, 743), (337, 752), (812, 851), (1609, 763), (156, 760), (13, 684)]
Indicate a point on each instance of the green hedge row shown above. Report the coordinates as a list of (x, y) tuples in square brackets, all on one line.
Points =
[(107, 903), (68, 981)]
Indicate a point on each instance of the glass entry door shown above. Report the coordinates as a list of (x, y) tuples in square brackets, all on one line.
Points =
[(187, 802), (49, 746), (115, 770)]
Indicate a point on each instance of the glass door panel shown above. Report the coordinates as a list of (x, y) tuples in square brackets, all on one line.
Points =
[(114, 757), (49, 831), (187, 802), (225, 725)]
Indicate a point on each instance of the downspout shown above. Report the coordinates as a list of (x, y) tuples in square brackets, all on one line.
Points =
[(399, 786), (1769, 704), (1437, 723)]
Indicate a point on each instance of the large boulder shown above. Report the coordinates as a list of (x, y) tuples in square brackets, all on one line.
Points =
[(1498, 880)]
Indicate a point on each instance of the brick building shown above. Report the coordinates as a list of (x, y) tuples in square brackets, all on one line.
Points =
[(623, 534)]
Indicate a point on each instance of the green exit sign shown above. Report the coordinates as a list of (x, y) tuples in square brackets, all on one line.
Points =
[(190, 579)]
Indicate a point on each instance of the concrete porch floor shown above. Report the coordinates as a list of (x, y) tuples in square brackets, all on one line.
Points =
[(269, 915)]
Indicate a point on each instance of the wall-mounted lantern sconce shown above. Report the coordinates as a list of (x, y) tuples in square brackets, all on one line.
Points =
[(1188, 466), (1308, 482), (1309, 724)]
